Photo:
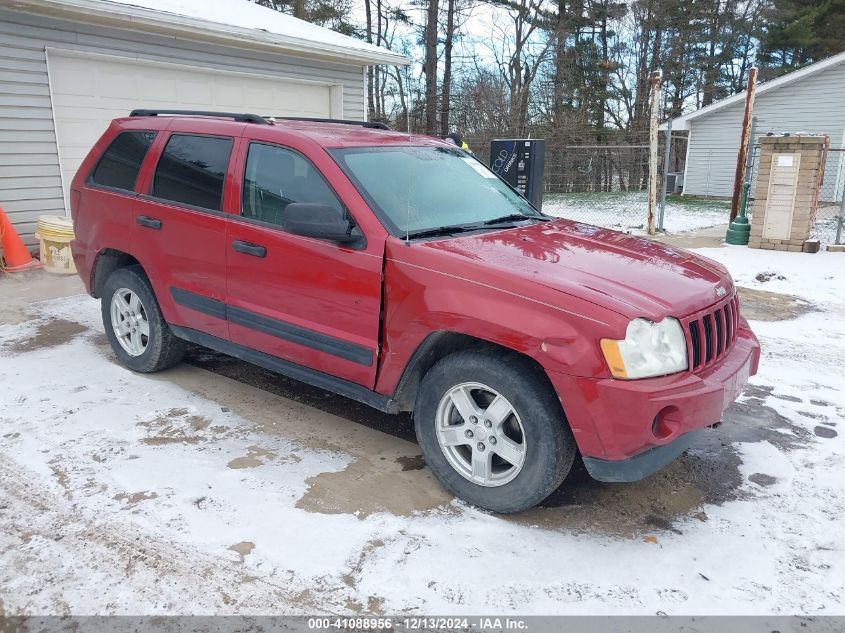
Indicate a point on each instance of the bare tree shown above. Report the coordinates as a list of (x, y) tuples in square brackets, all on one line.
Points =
[(371, 106), (519, 51), (431, 66)]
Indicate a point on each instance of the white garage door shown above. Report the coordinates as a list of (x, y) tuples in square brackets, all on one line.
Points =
[(89, 91)]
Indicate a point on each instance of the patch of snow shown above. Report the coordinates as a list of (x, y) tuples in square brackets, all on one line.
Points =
[(814, 277)]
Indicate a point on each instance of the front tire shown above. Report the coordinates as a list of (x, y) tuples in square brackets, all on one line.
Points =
[(138, 334), (492, 430)]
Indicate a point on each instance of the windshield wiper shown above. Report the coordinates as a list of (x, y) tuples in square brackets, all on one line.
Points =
[(442, 230), (475, 226), (513, 217)]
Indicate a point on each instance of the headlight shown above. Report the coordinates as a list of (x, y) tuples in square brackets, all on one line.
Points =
[(649, 349)]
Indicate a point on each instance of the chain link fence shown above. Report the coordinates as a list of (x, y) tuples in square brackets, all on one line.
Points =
[(606, 184), (830, 213)]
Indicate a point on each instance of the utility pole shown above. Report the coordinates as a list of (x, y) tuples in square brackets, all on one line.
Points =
[(652, 154), (744, 142)]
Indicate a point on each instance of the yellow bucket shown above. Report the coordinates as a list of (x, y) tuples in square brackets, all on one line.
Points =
[(54, 234)]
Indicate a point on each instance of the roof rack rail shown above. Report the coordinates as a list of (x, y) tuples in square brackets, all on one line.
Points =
[(237, 116), (370, 124)]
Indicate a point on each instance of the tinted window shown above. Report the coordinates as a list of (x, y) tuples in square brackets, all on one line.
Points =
[(192, 170), (121, 162), (275, 177)]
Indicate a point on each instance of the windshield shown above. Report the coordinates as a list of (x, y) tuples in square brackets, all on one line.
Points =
[(420, 189)]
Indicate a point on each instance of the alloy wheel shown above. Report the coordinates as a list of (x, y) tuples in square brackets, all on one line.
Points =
[(480, 434), (129, 322)]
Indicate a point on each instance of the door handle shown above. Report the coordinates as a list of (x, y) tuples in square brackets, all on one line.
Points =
[(147, 221), (248, 248)]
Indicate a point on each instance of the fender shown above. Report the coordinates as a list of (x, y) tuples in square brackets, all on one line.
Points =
[(427, 316)]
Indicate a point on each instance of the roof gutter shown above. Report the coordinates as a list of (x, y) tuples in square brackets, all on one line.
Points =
[(184, 27)]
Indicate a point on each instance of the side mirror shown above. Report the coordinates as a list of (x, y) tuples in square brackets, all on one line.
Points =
[(320, 221)]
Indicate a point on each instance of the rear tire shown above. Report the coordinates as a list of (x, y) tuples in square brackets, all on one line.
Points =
[(140, 337), (492, 430)]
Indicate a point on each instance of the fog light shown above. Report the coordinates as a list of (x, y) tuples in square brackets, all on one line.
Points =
[(666, 423)]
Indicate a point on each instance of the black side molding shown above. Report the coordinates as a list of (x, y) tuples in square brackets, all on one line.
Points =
[(300, 336), (199, 303), (274, 327), (292, 370)]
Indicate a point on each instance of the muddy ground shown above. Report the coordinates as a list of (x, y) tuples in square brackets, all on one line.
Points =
[(707, 473), (382, 477)]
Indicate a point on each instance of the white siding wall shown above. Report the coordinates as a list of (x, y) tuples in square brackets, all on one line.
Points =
[(30, 183), (813, 104)]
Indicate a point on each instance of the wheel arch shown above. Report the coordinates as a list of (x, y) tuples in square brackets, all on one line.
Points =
[(108, 260), (440, 344)]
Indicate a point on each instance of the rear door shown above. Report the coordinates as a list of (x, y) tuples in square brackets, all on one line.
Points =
[(104, 211), (313, 302), (179, 230)]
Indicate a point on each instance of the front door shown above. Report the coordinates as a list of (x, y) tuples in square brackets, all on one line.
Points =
[(312, 302), (179, 231)]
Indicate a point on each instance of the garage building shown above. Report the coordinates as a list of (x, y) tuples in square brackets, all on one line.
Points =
[(67, 67), (808, 100)]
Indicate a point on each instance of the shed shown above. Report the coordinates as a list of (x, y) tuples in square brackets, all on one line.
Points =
[(67, 67), (809, 100)]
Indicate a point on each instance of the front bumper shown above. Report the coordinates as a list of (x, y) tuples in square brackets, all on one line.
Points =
[(628, 429), (642, 465)]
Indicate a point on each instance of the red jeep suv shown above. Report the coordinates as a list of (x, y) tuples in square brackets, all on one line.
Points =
[(399, 271)]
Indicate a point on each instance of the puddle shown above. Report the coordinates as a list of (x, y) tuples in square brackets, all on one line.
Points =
[(255, 457), (752, 421), (242, 549), (351, 491), (825, 432), (707, 473), (411, 463), (762, 479), (762, 305), (50, 333)]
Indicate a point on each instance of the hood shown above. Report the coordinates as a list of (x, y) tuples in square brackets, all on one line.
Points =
[(632, 276)]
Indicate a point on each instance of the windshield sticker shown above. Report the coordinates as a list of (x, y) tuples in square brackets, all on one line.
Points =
[(481, 169)]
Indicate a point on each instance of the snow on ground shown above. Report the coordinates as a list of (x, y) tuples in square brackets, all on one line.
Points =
[(628, 211), (817, 277), (123, 493)]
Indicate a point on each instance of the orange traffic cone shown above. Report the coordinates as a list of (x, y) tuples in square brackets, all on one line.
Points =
[(15, 254)]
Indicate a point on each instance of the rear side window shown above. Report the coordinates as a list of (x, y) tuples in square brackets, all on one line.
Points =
[(119, 166), (192, 170)]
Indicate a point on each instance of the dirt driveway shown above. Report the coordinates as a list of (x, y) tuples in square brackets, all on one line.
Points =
[(218, 487)]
